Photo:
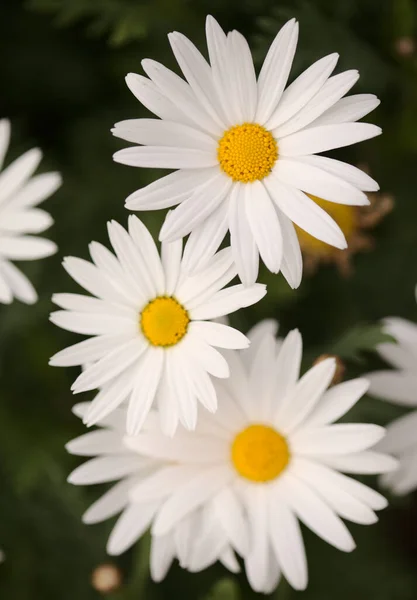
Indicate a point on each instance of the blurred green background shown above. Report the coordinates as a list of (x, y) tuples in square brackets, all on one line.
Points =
[(62, 68)]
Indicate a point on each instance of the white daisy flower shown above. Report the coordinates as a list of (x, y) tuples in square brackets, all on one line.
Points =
[(197, 541), (399, 386), (245, 149), (149, 322), (20, 193), (269, 456)]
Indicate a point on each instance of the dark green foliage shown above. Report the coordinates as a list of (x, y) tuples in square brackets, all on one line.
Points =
[(63, 89)]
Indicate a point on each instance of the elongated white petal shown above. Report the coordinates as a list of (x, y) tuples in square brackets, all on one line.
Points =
[(190, 496), (326, 137), (131, 525), (349, 173), (25, 221), (288, 365), (394, 386), (205, 239), (162, 555), (264, 224), (36, 190), (256, 561), (101, 441), (318, 182), (111, 503), (18, 283), (305, 213), (302, 90), (26, 247), (292, 262), (244, 83), (90, 324), (157, 157), (348, 109), (362, 463), (193, 211), (275, 70), (169, 190), (229, 300), (400, 434), (188, 449), (154, 132), (171, 254), (4, 139), (109, 398), (143, 394), (243, 244), (230, 513), (317, 515), (105, 468), (337, 439), (221, 336), (337, 401), (18, 172), (334, 88)]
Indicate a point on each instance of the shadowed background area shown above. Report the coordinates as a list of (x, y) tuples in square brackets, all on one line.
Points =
[(62, 72)]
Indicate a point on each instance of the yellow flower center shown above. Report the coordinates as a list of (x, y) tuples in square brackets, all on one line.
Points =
[(164, 321), (247, 152), (345, 217), (259, 453)]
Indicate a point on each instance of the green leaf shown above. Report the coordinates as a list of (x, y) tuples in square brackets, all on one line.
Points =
[(361, 338)]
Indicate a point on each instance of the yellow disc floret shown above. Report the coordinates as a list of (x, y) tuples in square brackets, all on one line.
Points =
[(247, 152), (345, 217), (164, 321), (259, 453)]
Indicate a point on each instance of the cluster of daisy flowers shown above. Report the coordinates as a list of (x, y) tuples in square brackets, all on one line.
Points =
[(218, 444)]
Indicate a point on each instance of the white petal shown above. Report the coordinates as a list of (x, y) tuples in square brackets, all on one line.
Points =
[(18, 172), (181, 95), (394, 386), (179, 381), (109, 398), (244, 83), (25, 221), (150, 255), (266, 327), (205, 239), (162, 555), (264, 224), (171, 253), (193, 211), (111, 365), (6, 295), (229, 300), (329, 487), (243, 245), (349, 173), (401, 434), (348, 109), (363, 463), (189, 497), (157, 157), (287, 542), (334, 88), (398, 356), (154, 100), (318, 182), (307, 392), (337, 439), (275, 70), (130, 526), (194, 290), (164, 482), (18, 283), (326, 137), (111, 503), (337, 401), (287, 371), (89, 304), (305, 213), (210, 541), (256, 561), (198, 74), (317, 515), (154, 132), (221, 336), (302, 90), (209, 359), (169, 190), (105, 468), (232, 518), (101, 441), (36, 190), (292, 262), (26, 247), (87, 351), (261, 378), (91, 324), (148, 375)]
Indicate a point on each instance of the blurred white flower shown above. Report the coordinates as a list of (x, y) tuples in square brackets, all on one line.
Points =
[(268, 457), (245, 149), (399, 386), (149, 320), (20, 193)]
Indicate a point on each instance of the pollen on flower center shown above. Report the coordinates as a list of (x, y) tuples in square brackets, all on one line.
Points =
[(259, 453), (164, 321), (247, 152)]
